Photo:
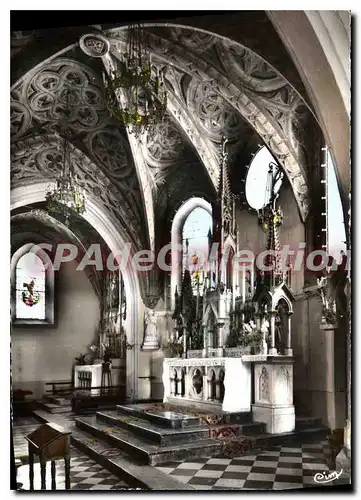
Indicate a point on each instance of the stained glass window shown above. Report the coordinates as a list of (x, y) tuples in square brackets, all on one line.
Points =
[(30, 287), (195, 232)]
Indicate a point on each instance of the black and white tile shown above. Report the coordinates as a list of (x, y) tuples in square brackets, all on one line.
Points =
[(85, 474), (280, 468)]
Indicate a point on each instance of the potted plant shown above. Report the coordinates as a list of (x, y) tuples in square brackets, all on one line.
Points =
[(80, 360)]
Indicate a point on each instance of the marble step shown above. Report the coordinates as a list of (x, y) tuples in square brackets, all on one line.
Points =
[(124, 466), (144, 450), (57, 400), (184, 417), (53, 408), (208, 410), (154, 432), (168, 419)]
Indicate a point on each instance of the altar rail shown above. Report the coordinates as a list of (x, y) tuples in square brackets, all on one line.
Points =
[(208, 381)]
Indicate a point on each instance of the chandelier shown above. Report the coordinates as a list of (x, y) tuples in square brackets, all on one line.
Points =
[(67, 197), (140, 82)]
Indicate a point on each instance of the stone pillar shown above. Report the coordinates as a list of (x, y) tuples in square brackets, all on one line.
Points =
[(289, 350), (205, 384), (220, 340), (184, 342), (272, 350), (205, 344)]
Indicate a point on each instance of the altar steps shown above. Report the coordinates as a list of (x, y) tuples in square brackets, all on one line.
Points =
[(143, 449), (55, 405)]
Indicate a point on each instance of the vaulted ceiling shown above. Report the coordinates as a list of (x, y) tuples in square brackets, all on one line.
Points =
[(216, 87)]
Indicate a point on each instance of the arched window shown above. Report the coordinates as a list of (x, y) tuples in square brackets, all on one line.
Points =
[(196, 233), (32, 287), (336, 233), (258, 191), (187, 223)]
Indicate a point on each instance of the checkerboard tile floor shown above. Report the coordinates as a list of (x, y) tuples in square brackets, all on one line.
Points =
[(21, 428), (277, 469), (85, 474)]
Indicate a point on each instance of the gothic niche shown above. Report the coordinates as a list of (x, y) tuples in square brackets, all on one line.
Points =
[(183, 382), (174, 383), (221, 385), (281, 326), (212, 392), (264, 385), (197, 382)]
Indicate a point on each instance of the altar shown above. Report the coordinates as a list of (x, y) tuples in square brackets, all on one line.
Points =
[(261, 384), (232, 322)]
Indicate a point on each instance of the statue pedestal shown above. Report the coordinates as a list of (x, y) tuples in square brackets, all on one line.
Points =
[(150, 343), (273, 394)]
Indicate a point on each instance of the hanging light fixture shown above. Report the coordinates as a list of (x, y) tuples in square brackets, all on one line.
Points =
[(67, 197), (142, 84)]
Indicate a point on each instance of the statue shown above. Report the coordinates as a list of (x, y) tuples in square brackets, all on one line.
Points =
[(150, 342), (264, 330)]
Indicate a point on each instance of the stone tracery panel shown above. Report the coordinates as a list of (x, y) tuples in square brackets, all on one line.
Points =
[(45, 94), (215, 116), (39, 158), (164, 144), (245, 98)]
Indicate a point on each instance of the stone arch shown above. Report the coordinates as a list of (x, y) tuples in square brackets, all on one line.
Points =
[(102, 223), (176, 239)]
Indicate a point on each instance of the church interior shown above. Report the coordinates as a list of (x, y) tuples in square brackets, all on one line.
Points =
[(180, 253)]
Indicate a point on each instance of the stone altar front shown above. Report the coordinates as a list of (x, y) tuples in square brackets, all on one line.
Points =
[(222, 383), (225, 384)]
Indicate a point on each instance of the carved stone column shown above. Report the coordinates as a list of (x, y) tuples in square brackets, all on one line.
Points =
[(272, 350), (220, 339), (205, 343)]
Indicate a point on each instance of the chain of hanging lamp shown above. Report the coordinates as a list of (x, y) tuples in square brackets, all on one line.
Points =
[(138, 81), (67, 197)]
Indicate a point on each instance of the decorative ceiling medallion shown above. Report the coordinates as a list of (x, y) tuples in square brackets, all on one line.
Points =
[(214, 114), (111, 150), (247, 68), (20, 119), (164, 144), (94, 45), (46, 95)]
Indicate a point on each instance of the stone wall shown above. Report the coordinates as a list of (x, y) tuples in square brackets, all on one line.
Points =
[(320, 364)]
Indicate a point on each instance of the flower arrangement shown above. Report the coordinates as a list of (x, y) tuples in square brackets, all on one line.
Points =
[(252, 336), (175, 348), (329, 315), (107, 354)]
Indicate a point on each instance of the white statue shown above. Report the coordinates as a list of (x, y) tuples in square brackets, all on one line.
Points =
[(150, 334), (265, 326), (264, 330)]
